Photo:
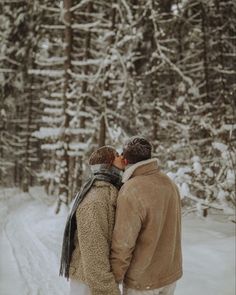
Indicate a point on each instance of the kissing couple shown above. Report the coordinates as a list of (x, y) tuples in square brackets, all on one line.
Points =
[(123, 233)]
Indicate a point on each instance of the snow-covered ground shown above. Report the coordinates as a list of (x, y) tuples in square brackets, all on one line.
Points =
[(30, 241)]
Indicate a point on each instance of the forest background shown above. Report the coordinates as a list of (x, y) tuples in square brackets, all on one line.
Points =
[(76, 75)]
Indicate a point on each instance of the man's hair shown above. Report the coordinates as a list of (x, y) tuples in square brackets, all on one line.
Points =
[(103, 155), (137, 149)]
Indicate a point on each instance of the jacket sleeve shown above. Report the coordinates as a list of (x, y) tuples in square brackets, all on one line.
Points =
[(127, 227), (94, 245)]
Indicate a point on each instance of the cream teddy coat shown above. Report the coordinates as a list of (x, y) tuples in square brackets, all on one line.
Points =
[(95, 218)]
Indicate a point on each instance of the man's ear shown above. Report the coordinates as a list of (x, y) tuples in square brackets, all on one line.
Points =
[(126, 162)]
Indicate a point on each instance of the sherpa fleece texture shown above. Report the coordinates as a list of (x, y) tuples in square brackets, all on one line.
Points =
[(146, 245), (90, 262)]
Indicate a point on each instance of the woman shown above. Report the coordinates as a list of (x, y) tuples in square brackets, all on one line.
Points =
[(89, 227)]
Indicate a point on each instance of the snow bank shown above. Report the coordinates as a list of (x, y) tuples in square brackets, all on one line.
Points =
[(31, 237), (209, 257)]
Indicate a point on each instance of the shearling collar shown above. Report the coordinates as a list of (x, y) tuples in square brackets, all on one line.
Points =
[(131, 170)]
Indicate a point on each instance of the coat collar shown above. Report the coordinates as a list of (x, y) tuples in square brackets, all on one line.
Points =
[(139, 168)]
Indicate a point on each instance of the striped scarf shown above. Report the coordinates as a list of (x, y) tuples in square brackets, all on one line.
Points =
[(99, 173)]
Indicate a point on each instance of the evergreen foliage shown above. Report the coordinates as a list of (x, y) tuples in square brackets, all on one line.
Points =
[(76, 75)]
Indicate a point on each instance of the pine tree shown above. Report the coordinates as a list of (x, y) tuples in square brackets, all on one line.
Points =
[(18, 90)]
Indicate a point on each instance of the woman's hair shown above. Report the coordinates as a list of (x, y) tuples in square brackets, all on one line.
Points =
[(103, 155)]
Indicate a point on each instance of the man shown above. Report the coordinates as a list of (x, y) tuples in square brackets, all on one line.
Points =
[(146, 244)]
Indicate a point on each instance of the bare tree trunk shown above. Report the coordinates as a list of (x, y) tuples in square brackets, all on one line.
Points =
[(65, 159), (102, 131), (27, 92), (205, 53), (103, 126), (84, 88)]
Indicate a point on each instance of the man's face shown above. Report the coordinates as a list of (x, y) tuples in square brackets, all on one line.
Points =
[(119, 162)]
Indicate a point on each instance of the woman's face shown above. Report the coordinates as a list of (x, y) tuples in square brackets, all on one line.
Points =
[(119, 161)]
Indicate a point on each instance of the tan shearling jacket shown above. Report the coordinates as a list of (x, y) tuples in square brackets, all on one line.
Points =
[(90, 263), (146, 245)]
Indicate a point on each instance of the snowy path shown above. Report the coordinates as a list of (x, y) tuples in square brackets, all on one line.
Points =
[(10, 272), (30, 239), (29, 231)]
